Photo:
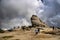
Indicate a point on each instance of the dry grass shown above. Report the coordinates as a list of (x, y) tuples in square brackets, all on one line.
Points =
[(44, 36), (5, 37), (50, 32), (16, 39), (29, 35)]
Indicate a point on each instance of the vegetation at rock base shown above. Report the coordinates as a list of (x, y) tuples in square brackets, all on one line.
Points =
[(1, 31)]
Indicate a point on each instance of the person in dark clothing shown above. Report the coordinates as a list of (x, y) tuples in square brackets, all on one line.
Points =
[(14, 27), (53, 27), (37, 31), (23, 27), (18, 27)]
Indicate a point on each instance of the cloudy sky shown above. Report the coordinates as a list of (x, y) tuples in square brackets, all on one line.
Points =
[(18, 12), (51, 12)]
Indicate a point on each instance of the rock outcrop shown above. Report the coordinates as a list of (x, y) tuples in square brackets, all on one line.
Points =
[(37, 22)]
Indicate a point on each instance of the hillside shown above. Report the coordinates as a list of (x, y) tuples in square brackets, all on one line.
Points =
[(28, 35), (45, 33)]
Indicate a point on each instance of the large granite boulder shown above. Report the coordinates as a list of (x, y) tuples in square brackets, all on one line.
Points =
[(37, 22)]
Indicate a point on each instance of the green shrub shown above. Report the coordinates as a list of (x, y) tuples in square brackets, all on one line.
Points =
[(1, 31), (6, 37)]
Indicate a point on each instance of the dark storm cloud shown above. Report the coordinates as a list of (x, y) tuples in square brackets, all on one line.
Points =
[(16, 12)]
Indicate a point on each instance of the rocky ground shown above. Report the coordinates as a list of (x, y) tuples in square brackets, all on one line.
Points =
[(30, 35)]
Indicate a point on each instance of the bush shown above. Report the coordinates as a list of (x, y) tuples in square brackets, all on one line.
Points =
[(1, 31), (6, 37), (10, 30)]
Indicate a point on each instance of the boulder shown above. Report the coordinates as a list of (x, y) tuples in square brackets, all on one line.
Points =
[(37, 22)]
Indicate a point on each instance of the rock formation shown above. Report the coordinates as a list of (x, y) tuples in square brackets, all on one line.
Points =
[(37, 22)]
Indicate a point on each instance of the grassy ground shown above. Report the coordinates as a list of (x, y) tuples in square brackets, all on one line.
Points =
[(28, 35)]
